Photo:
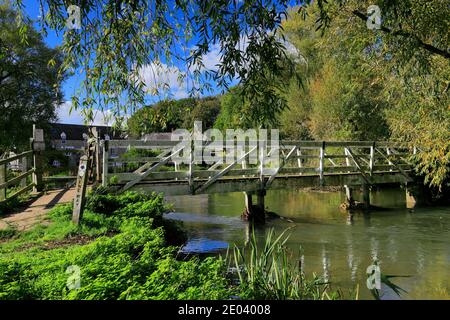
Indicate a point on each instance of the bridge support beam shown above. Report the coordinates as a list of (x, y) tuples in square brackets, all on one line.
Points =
[(350, 202), (254, 213), (348, 194), (260, 199)]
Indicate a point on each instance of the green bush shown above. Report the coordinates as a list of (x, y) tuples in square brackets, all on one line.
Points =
[(7, 233), (126, 256)]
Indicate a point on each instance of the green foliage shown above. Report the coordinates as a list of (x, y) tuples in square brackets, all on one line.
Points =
[(194, 279), (205, 110), (14, 203), (164, 116), (268, 272), (7, 233), (339, 99), (375, 85), (29, 85), (122, 248), (233, 108), (168, 115), (121, 254), (141, 34)]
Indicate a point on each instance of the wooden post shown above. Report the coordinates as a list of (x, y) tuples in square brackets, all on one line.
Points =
[(24, 168), (260, 200), (321, 158), (262, 150), (388, 152), (105, 144), (347, 158), (80, 189), (3, 180), (191, 164), (372, 158), (38, 148), (248, 202), (299, 160), (96, 134), (348, 194)]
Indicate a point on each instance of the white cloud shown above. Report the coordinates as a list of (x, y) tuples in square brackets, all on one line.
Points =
[(76, 117), (160, 79), (212, 58)]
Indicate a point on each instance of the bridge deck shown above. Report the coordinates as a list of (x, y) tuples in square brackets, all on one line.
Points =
[(251, 184)]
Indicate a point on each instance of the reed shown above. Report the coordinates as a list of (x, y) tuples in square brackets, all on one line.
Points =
[(270, 272)]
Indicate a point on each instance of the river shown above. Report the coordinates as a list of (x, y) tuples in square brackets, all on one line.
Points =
[(413, 243)]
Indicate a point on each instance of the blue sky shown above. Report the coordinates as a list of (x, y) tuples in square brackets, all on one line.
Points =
[(168, 74)]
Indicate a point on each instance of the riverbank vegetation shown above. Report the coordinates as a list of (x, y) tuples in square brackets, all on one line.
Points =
[(124, 249)]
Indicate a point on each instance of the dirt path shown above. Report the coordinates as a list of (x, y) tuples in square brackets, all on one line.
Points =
[(36, 212)]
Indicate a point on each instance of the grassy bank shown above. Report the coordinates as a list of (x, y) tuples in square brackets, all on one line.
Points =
[(124, 249)]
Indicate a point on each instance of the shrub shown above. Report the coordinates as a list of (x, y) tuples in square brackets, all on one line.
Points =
[(132, 262)]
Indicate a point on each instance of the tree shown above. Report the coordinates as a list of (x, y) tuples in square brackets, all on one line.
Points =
[(205, 110), (118, 38), (233, 111), (416, 30), (399, 69), (29, 86), (164, 116), (168, 115), (337, 100)]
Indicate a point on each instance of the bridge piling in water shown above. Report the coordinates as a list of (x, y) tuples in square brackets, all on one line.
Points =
[(254, 213), (348, 194)]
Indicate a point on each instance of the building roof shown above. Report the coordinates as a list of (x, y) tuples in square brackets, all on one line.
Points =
[(75, 131)]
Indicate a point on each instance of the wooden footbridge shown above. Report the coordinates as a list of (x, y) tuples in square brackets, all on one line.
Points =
[(251, 167), (301, 164)]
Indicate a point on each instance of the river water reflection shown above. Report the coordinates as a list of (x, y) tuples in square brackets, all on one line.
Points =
[(414, 243)]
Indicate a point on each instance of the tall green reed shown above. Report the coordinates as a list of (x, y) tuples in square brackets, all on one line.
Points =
[(271, 272)]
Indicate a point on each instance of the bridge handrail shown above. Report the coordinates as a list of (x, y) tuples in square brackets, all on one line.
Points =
[(298, 143), (19, 179)]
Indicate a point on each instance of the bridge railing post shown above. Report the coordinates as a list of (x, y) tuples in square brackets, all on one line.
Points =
[(347, 158), (372, 156), (190, 169), (321, 161), (96, 133), (38, 146), (80, 188), (262, 150), (299, 159), (388, 152), (105, 156)]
